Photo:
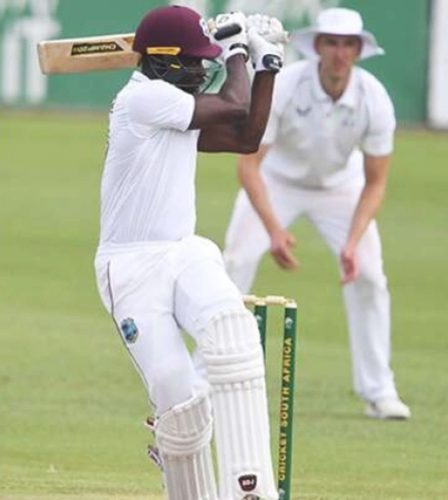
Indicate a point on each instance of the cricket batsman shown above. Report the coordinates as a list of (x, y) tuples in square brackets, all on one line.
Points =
[(157, 278)]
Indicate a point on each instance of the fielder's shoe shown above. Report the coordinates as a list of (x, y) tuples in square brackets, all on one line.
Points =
[(388, 409)]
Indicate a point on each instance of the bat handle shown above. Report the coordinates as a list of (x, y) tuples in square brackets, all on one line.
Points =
[(227, 31)]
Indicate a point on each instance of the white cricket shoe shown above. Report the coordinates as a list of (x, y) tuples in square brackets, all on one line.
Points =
[(388, 409)]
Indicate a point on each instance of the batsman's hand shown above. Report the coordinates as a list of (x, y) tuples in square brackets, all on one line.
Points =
[(267, 38), (233, 44), (270, 28)]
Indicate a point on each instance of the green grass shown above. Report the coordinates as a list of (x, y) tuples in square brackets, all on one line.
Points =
[(71, 405)]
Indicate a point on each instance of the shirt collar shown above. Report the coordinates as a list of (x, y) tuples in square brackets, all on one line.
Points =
[(138, 76), (348, 98), (318, 91)]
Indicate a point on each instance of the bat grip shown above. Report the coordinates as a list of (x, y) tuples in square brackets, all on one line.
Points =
[(227, 31)]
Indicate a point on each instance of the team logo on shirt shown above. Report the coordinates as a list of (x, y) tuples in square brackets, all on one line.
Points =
[(348, 122), (303, 111), (129, 330)]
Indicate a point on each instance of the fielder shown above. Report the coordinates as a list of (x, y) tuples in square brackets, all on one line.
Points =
[(325, 155), (157, 278)]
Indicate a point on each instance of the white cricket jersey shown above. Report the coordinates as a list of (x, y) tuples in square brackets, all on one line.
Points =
[(318, 143), (148, 183)]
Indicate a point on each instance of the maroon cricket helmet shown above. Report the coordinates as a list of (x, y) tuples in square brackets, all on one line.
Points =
[(174, 30)]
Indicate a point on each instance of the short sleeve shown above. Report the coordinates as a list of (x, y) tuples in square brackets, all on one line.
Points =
[(161, 105), (379, 138)]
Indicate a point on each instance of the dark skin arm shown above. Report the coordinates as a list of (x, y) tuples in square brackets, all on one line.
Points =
[(234, 119)]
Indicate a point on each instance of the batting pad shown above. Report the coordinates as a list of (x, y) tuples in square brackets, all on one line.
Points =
[(183, 436), (232, 351)]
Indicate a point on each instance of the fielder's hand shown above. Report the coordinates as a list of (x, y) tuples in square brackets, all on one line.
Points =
[(234, 44), (349, 265), (282, 245), (267, 38)]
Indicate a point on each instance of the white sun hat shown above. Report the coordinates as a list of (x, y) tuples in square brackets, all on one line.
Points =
[(337, 21)]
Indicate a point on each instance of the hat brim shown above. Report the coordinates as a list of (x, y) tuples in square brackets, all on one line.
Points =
[(303, 42), (211, 51)]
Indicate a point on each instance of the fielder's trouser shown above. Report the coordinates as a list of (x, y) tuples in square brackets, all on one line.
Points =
[(366, 300), (156, 291)]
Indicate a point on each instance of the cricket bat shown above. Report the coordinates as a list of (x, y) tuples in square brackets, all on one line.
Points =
[(80, 55), (97, 53)]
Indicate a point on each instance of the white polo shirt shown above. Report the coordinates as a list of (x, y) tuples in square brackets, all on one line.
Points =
[(148, 183), (317, 143)]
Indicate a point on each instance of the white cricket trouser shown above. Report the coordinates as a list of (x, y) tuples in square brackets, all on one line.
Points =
[(367, 300), (160, 289), (154, 292)]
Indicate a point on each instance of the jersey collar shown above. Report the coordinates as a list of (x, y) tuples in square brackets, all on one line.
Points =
[(318, 91), (138, 76), (348, 98)]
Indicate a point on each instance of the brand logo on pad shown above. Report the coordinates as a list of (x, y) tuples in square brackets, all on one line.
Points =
[(248, 482), (129, 329)]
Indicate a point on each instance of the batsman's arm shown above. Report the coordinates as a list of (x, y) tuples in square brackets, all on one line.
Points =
[(230, 104), (235, 119), (244, 135)]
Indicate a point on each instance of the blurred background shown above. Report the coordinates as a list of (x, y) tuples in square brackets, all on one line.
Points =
[(71, 403), (415, 69)]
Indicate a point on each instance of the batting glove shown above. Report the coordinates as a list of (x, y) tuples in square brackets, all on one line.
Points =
[(234, 43), (270, 28), (266, 37)]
